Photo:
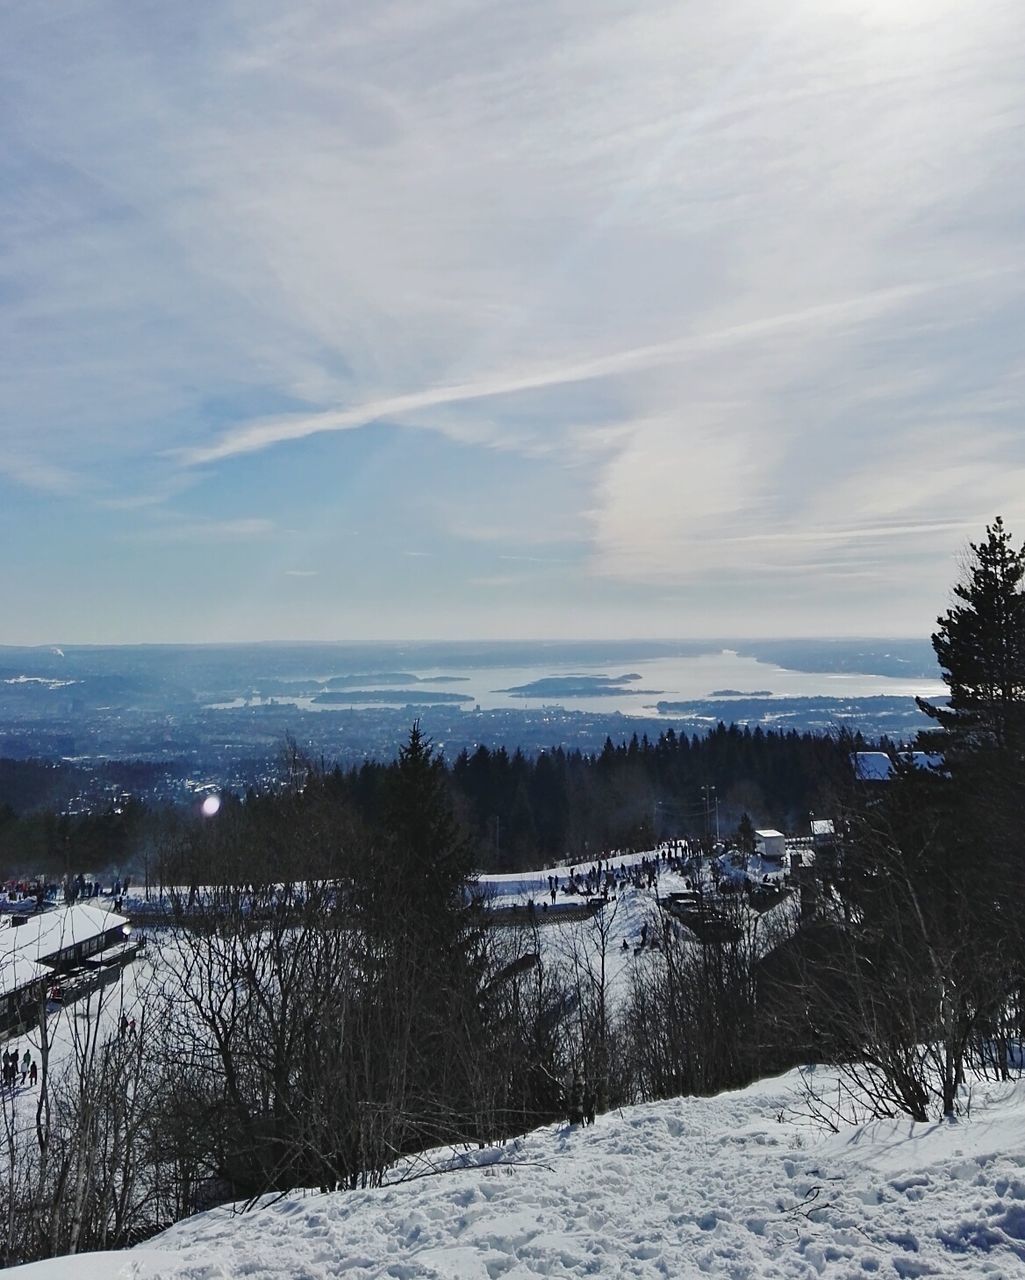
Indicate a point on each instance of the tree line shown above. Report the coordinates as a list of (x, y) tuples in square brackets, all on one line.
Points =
[(518, 811)]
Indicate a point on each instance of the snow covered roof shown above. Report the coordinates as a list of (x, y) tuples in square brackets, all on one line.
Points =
[(876, 766), (872, 766), (49, 932), (17, 971), (770, 834), (822, 827)]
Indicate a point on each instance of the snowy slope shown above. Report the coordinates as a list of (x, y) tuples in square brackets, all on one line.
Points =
[(737, 1186)]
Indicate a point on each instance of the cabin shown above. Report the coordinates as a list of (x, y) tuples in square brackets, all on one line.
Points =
[(23, 984), (771, 845), (38, 952), (63, 939), (825, 844)]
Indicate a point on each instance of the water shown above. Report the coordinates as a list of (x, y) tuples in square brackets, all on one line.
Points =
[(662, 679)]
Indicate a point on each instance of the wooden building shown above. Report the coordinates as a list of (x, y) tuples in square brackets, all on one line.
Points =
[(39, 952)]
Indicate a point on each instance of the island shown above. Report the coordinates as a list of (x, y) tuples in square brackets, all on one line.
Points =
[(577, 686)]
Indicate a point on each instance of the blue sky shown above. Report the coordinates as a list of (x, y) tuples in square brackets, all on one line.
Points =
[(468, 319)]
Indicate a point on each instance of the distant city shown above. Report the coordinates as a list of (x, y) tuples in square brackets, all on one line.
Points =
[(191, 717)]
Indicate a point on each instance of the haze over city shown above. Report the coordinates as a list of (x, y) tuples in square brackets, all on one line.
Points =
[(535, 320)]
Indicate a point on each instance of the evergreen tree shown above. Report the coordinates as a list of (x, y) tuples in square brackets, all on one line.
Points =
[(980, 646), (425, 863)]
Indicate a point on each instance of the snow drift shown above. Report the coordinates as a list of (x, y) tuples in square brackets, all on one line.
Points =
[(742, 1185)]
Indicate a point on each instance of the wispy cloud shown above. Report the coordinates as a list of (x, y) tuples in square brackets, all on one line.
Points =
[(536, 559), (176, 529), (264, 434), (45, 477), (728, 296)]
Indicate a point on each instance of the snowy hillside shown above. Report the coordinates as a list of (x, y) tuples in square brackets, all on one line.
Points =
[(737, 1186)]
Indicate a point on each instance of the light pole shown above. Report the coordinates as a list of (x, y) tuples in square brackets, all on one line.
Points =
[(711, 798)]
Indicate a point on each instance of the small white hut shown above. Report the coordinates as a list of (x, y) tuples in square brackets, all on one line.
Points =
[(771, 845)]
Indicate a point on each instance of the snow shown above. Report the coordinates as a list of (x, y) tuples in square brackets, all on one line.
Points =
[(876, 766), (620, 924), (69, 1027), (18, 971), (42, 936), (518, 886), (52, 931), (741, 1186), (744, 1185)]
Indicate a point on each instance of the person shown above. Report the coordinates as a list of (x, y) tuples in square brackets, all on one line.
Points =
[(33, 1074), (26, 1062), (123, 1025)]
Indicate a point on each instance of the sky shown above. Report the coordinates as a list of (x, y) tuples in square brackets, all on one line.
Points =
[(350, 320)]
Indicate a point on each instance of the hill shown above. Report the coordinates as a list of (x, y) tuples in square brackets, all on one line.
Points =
[(740, 1185)]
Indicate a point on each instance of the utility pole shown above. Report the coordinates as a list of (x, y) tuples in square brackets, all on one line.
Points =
[(711, 797)]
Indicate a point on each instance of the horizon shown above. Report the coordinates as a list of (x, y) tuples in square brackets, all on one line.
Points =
[(371, 642)]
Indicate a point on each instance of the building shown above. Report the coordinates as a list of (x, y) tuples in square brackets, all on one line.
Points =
[(771, 845), (23, 983), (38, 951), (64, 938), (877, 766)]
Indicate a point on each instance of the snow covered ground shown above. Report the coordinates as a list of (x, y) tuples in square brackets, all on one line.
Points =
[(630, 915), (745, 1185), (739, 1186), (72, 1030)]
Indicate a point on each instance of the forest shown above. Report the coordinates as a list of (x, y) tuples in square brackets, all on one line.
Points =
[(517, 811)]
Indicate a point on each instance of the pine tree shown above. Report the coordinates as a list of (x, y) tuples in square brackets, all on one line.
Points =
[(980, 647), (426, 860)]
